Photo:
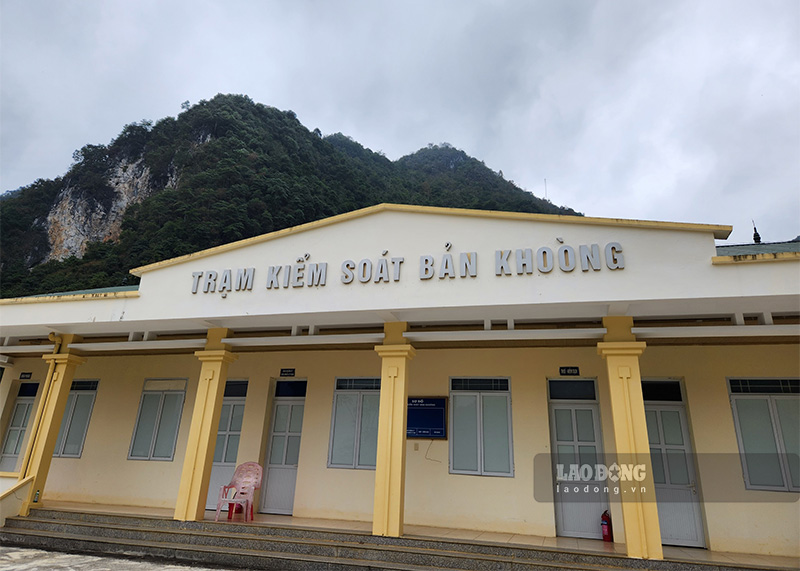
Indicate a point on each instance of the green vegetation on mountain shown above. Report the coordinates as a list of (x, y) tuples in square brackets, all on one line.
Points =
[(224, 170)]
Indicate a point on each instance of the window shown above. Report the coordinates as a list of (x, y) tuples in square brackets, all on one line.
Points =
[(354, 427), (159, 418), (15, 434), (480, 427), (75, 421), (767, 417)]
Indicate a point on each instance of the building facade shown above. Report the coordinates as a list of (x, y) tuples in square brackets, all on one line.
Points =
[(505, 372)]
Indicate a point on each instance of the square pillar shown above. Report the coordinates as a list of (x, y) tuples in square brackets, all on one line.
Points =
[(390, 464), (47, 419), (193, 490), (639, 509)]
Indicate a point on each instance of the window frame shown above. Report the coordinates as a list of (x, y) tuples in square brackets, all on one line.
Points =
[(159, 417), (777, 434), (357, 432), (479, 414), (69, 414)]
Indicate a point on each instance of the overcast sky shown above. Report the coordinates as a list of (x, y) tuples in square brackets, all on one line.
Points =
[(660, 110)]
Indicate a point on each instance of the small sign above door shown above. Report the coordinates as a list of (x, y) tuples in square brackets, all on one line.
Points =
[(569, 371), (287, 372)]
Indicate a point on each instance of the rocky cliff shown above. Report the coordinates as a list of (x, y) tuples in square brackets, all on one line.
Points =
[(77, 218)]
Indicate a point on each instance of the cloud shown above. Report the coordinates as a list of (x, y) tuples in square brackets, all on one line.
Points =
[(661, 110)]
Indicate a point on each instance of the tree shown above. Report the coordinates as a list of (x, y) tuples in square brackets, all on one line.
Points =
[(226, 169)]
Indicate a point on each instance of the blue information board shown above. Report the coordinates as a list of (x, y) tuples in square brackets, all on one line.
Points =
[(427, 417)]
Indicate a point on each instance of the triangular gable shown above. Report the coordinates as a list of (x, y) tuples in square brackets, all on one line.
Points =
[(720, 232)]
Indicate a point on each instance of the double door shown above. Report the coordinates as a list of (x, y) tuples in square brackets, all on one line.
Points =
[(283, 450), (575, 431)]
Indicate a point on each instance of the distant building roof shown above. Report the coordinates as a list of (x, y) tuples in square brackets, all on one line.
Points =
[(763, 248)]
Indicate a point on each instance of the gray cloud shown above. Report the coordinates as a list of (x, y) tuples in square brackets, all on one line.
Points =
[(672, 110)]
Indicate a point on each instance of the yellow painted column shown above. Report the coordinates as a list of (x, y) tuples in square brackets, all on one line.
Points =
[(390, 464), (47, 420), (193, 490), (639, 509)]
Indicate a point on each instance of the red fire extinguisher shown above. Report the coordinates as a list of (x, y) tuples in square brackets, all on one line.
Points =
[(605, 525)]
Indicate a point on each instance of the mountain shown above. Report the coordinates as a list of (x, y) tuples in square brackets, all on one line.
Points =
[(223, 170)]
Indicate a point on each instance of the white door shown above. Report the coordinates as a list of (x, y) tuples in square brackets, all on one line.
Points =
[(15, 434), (674, 475), (227, 447), (282, 455), (579, 502)]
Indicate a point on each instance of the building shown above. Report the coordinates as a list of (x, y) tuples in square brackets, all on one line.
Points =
[(550, 368)]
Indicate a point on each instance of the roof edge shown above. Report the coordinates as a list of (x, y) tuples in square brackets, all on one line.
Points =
[(53, 297), (750, 258), (720, 232)]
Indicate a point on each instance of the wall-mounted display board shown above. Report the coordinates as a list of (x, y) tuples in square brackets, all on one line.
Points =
[(427, 417)]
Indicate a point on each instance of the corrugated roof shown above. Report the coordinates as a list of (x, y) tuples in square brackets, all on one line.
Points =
[(754, 249)]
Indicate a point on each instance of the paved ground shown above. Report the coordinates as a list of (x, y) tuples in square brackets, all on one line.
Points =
[(25, 559)]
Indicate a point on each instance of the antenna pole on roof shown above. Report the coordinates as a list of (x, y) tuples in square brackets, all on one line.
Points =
[(756, 235), (545, 189)]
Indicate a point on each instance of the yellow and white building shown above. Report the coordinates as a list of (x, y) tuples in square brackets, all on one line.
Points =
[(550, 368)]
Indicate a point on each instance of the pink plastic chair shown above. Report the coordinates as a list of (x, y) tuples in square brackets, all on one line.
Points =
[(246, 480)]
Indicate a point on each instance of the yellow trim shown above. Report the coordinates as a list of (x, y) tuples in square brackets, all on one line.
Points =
[(64, 358), (47, 422), (618, 329), (71, 297), (16, 487), (639, 509), (390, 457), (9, 474), (750, 258), (196, 472), (720, 232)]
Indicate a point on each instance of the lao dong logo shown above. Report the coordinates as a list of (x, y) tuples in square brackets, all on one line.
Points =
[(601, 472), (589, 482)]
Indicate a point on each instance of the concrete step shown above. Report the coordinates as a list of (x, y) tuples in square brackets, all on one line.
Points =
[(268, 553), (261, 546)]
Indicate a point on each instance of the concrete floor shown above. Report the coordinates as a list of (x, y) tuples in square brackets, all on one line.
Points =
[(26, 559)]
